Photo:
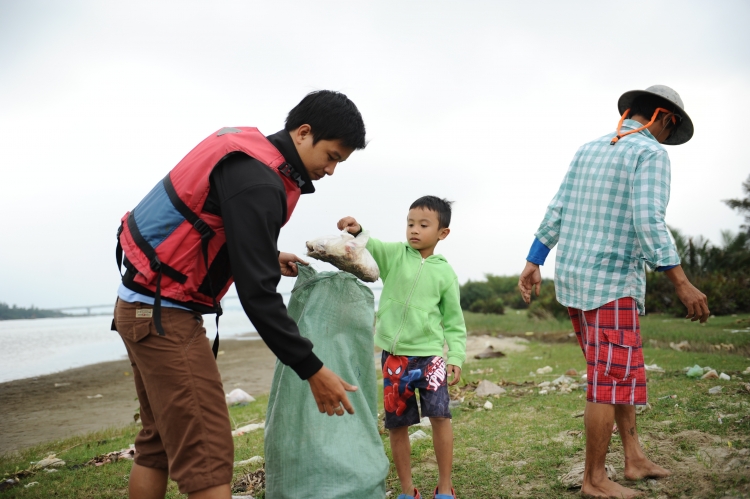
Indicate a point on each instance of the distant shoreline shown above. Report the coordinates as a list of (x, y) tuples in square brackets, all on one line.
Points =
[(35, 411)]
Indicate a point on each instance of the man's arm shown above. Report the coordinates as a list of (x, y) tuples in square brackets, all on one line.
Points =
[(253, 208)]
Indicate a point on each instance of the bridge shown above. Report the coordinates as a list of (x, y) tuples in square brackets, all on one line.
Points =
[(107, 308)]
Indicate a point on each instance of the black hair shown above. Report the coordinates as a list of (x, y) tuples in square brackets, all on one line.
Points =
[(433, 203), (331, 116), (645, 105)]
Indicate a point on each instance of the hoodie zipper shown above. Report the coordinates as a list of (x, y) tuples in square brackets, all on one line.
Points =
[(406, 306)]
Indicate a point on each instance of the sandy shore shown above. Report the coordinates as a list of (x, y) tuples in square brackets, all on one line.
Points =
[(34, 410)]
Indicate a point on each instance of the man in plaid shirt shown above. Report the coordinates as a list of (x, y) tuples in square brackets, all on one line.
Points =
[(607, 219)]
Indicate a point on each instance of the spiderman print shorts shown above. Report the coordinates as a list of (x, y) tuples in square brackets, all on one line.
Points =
[(402, 378), (610, 337)]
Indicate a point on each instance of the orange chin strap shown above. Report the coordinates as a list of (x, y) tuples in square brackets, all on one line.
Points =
[(653, 119)]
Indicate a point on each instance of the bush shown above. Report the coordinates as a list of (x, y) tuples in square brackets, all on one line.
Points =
[(488, 306)]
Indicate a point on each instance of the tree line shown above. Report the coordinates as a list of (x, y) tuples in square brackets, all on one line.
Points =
[(8, 312)]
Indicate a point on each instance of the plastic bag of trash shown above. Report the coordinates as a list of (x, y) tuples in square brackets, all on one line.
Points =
[(347, 253), (239, 397), (309, 454)]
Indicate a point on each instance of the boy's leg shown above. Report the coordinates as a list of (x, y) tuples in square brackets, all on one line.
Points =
[(442, 441), (401, 450), (637, 465)]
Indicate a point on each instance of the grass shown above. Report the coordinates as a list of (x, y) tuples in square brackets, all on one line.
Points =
[(521, 446), (658, 329)]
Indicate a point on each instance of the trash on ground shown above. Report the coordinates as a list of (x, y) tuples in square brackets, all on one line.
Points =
[(489, 353), (112, 457), (532, 374), (682, 346), (724, 376), (544, 370), (454, 403), (30, 484), (578, 414), (574, 478), (529, 333), (487, 388), (58, 385), (97, 396), (653, 368), (640, 409), (250, 482), (488, 405), (571, 372), (715, 390), (418, 435), (746, 371), (482, 371), (248, 428), (544, 384), (252, 460), (543, 392), (668, 397), (425, 422), (710, 375), (584, 377), (239, 397), (49, 461), (562, 380), (347, 253), (708, 368), (695, 372)]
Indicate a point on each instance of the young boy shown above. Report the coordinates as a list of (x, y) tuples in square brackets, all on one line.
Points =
[(419, 312)]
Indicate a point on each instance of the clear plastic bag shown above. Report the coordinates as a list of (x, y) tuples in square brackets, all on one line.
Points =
[(347, 253)]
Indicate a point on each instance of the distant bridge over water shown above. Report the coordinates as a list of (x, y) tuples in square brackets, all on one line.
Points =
[(107, 308)]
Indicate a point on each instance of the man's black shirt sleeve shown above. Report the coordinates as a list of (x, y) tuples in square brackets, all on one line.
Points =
[(251, 200)]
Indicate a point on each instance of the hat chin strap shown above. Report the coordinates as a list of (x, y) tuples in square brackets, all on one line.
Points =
[(625, 115)]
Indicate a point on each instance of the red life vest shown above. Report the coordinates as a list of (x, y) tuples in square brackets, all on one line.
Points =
[(170, 242)]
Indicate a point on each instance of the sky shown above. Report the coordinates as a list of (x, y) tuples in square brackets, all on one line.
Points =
[(483, 103)]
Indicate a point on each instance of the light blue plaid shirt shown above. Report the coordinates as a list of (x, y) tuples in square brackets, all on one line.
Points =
[(607, 219)]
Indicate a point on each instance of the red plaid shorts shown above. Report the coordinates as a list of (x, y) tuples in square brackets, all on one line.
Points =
[(610, 337)]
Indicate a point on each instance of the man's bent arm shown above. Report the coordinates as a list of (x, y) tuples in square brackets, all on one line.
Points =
[(253, 218)]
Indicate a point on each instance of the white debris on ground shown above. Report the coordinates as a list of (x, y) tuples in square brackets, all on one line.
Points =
[(653, 368), (248, 428), (238, 397), (246, 462), (488, 405), (682, 346), (715, 390), (418, 435), (487, 388), (424, 423), (47, 462), (544, 370)]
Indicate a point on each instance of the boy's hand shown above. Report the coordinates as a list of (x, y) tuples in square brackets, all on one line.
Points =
[(288, 263), (349, 224), (456, 372), (330, 392)]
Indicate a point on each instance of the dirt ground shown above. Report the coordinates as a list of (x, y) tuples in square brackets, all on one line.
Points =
[(35, 410)]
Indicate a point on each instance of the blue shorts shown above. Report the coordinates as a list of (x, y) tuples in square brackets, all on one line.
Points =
[(402, 377)]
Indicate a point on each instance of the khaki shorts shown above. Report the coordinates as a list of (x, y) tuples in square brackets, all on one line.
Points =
[(185, 419)]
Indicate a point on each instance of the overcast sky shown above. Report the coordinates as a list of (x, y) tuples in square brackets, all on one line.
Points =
[(484, 103)]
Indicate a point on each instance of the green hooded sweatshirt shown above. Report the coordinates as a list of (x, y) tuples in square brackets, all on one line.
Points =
[(420, 307)]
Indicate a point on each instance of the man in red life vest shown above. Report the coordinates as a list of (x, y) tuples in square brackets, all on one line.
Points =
[(213, 220)]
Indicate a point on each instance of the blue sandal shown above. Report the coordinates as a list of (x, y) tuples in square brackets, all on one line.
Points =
[(415, 496), (444, 496)]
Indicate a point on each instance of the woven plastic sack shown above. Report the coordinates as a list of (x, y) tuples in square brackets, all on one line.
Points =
[(347, 253), (309, 454)]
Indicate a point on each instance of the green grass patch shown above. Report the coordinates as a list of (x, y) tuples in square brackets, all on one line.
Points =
[(517, 449), (716, 335)]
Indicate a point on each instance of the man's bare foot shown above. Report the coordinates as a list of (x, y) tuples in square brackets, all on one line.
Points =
[(608, 489), (640, 469)]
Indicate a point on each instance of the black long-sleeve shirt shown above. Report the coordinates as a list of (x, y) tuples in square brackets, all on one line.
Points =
[(251, 199)]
